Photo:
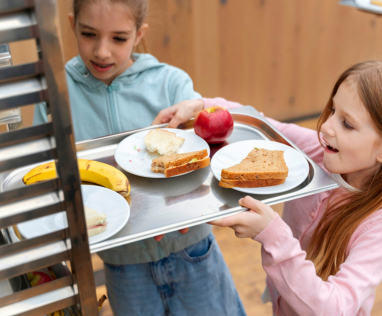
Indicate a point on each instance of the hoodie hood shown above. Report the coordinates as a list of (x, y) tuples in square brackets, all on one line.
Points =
[(80, 73)]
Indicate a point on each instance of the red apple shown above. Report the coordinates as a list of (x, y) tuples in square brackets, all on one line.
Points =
[(214, 124), (37, 278)]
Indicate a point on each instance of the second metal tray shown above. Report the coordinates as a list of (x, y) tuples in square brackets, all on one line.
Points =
[(159, 206)]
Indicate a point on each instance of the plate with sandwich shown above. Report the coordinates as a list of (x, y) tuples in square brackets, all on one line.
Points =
[(259, 167), (162, 153), (106, 213)]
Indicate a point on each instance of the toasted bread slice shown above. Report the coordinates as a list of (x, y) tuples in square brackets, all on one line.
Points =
[(175, 164), (187, 167), (259, 164), (164, 142), (250, 183)]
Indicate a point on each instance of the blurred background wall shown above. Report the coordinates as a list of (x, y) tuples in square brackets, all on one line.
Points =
[(282, 57)]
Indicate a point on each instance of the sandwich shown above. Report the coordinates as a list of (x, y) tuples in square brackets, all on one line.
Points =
[(175, 164), (95, 221), (164, 142), (376, 2), (261, 168)]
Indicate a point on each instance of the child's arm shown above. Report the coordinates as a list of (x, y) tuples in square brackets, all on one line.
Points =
[(185, 110), (295, 277)]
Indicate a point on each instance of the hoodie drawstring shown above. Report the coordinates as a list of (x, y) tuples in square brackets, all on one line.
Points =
[(114, 118)]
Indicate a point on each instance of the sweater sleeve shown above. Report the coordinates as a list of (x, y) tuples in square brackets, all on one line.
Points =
[(220, 102), (295, 277), (305, 138)]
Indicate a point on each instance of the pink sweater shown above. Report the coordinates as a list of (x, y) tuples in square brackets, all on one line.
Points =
[(294, 287)]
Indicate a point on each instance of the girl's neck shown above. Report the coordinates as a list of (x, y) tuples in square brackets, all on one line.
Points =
[(342, 181)]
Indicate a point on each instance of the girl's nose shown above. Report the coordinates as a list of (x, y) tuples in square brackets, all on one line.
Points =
[(327, 128), (102, 51)]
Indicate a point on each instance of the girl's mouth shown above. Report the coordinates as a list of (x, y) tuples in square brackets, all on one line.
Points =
[(101, 67), (331, 149)]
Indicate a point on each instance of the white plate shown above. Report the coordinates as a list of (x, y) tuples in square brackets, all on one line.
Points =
[(102, 200), (234, 153), (367, 5), (132, 155)]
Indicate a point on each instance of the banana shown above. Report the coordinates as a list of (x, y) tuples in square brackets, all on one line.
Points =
[(90, 171), (57, 313)]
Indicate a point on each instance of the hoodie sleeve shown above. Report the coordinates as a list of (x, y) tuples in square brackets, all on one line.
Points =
[(40, 116), (182, 88)]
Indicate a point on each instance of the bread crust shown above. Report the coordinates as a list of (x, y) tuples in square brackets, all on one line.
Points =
[(95, 231), (174, 171), (258, 165), (226, 183), (174, 160)]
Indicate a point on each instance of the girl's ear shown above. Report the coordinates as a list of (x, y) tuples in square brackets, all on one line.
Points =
[(72, 22), (141, 33), (379, 158)]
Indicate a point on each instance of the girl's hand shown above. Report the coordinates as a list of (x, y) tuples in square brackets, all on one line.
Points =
[(182, 231), (179, 113), (248, 224)]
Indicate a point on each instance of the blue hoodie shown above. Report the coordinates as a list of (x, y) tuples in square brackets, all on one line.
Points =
[(132, 101)]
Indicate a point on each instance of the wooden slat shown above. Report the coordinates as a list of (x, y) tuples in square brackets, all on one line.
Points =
[(27, 160), (28, 191), (25, 135), (14, 5), (6, 221), (26, 244), (37, 290), (51, 307), (33, 265), (21, 71), (23, 99)]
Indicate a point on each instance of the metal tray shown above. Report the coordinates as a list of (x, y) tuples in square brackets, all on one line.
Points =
[(163, 205)]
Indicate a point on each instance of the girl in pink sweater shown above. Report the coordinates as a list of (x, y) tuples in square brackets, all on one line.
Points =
[(324, 257)]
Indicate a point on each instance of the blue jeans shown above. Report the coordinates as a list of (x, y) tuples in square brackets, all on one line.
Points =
[(194, 281)]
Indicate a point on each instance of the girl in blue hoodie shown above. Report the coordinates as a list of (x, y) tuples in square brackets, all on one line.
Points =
[(112, 90)]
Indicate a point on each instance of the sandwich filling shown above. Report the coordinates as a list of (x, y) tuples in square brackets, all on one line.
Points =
[(176, 164), (95, 220)]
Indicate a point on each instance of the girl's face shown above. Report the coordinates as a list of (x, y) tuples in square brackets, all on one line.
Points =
[(353, 146), (106, 35)]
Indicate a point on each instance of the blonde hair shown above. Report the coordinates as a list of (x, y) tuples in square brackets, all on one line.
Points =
[(327, 248), (138, 8)]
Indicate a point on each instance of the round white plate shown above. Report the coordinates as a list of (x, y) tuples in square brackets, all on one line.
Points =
[(102, 200), (234, 153), (132, 155), (367, 5)]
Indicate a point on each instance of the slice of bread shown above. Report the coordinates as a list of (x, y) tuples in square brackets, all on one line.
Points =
[(164, 142), (177, 159), (250, 183), (262, 167), (96, 230), (175, 164)]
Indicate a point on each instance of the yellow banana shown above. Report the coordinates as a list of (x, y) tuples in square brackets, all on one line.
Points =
[(90, 171), (57, 313)]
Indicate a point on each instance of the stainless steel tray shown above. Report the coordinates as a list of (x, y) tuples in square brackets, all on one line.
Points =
[(163, 205)]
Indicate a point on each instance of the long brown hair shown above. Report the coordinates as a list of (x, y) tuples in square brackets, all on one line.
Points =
[(327, 248), (138, 8)]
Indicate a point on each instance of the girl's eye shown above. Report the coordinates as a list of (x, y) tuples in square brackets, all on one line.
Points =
[(120, 39), (347, 125), (86, 34), (332, 110)]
